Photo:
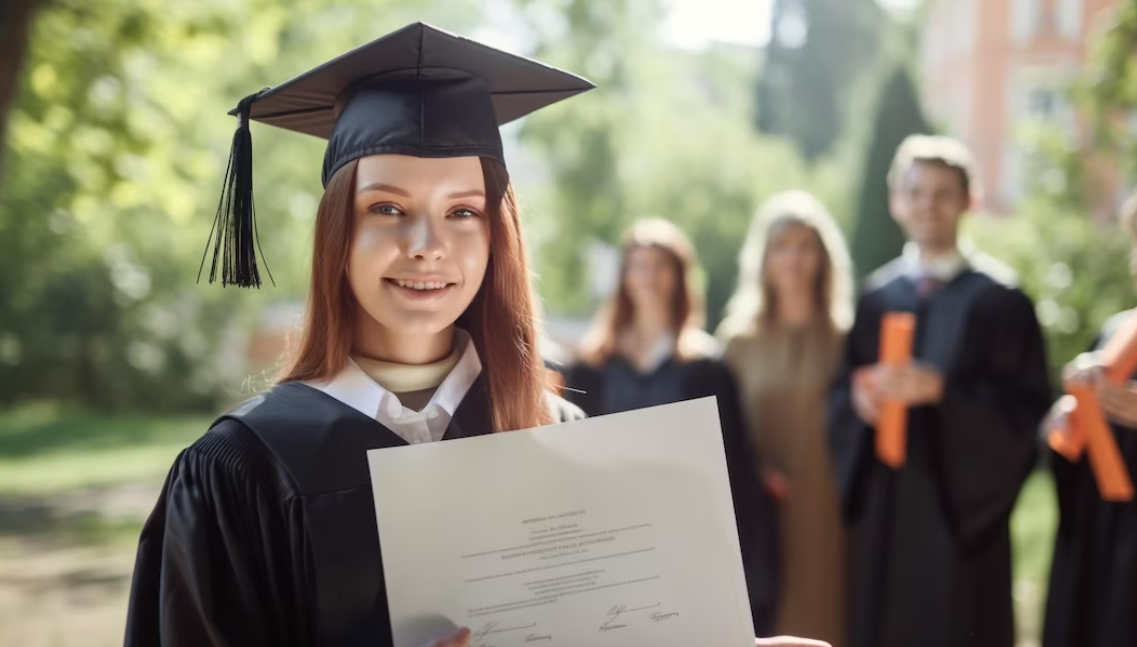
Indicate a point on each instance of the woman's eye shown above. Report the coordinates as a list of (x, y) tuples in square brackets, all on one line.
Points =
[(386, 210), (464, 213)]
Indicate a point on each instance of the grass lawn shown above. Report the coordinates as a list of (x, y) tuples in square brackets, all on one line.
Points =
[(46, 449), (75, 488), (1032, 531)]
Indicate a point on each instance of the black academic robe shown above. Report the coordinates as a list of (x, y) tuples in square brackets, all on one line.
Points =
[(1093, 580), (616, 386), (932, 562), (264, 533)]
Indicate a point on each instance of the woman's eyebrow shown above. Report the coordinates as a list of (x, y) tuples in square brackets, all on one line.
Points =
[(472, 193), (388, 188)]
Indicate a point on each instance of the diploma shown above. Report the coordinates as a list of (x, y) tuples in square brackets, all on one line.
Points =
[(896, 332), (617, 530)]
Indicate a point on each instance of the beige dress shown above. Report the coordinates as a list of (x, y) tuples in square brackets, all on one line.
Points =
[(783, 378)]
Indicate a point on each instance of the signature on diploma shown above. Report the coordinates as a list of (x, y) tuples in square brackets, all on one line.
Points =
[(483, 636), (621, 614)]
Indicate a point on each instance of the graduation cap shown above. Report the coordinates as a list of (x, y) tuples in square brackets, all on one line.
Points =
[(419, 91)]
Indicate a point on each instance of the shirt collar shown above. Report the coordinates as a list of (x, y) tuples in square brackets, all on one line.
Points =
[(944, 268), (354, 388)]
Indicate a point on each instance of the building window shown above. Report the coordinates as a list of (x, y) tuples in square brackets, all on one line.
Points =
[(1040, 100), (1070, 18), (1026, 16), (1042, 103)]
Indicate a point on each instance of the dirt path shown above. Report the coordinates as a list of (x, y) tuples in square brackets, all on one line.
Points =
[(65, 566)]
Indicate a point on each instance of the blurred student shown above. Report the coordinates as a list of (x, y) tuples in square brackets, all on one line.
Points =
[(783, 333), (647, 348), (932, 564)]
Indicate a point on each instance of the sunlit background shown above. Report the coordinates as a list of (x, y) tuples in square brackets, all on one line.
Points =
[(115, 135)]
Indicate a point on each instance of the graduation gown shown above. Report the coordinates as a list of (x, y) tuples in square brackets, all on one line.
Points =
[(1092, 599), (932, 561), (616, 386), (264, 533)]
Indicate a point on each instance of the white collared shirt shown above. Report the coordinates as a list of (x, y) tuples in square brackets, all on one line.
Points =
[(357, 390), (944, 269)]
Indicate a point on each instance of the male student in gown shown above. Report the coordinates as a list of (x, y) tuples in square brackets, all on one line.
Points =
[(932, 563)]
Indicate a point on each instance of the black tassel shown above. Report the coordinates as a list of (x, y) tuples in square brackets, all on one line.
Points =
[(236, 243)]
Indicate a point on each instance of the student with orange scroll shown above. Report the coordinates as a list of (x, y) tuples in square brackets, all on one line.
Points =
[(1093, 580), (930, 492)]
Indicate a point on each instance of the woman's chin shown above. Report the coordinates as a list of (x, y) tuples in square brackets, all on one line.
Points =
[(394, 319)]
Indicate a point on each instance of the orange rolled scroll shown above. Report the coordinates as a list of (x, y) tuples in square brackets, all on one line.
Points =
[(897, 330), (1088, 429), (1109, 470)]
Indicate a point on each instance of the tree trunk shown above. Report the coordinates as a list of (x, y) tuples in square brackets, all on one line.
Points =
[(15, 30)]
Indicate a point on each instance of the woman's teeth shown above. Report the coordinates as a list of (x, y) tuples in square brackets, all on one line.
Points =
[(420, 285)]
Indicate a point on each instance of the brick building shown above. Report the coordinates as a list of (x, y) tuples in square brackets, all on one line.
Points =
[(991, 67)]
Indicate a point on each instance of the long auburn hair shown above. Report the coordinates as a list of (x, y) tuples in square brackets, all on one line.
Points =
[(501, 319), (754, 302), (687, 311)]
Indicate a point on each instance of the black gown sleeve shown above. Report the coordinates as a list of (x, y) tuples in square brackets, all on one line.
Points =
[(850, 437), (221, 556), (987, 423)]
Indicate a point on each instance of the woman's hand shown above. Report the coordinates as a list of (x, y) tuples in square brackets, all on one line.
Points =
[(775, 483), (460, 638), (1058, 418), (866, 398), (1119, 402), (1086, 368), (915, 384), (788, 641)]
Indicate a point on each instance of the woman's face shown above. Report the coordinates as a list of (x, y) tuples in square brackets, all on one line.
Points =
[(650, 278), (421, 242), (794, 259)]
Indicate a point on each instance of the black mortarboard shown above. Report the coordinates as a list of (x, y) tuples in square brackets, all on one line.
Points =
[(419, 91)]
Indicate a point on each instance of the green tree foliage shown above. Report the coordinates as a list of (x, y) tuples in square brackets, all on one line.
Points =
[(117, 144), (876, 237), (666, 134), (819, 51), (1109, 87), (116, 147), (1075, 270)]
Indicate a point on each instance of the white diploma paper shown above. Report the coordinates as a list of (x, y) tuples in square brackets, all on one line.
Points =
[(617, 530)]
